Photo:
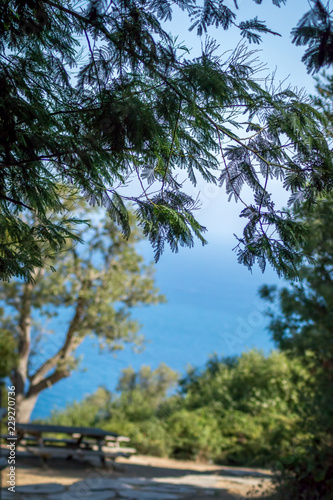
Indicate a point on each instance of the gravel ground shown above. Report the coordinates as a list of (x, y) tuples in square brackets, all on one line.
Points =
[(137, 478)]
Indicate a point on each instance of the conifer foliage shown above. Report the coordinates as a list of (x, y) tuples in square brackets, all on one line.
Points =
[(315, 30), (97, 94)]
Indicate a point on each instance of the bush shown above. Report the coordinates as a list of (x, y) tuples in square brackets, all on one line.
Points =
[(149, 437), (195, 434), (237, 411), (307, 474)]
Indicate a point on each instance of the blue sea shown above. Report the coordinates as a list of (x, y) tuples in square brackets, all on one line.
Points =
[(212, 307)]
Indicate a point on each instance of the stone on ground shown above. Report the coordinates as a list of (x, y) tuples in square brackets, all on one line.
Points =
[(170, 488), (147, 495), (41, 489), (88, 495), (138, 481)]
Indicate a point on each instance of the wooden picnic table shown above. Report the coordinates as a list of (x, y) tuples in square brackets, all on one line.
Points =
[(85, 442)]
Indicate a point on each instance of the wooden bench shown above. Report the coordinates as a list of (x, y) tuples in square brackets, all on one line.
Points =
[(46, 452), (61, 442), (112, 444), (118, 451), (108, 439), (83, 442)]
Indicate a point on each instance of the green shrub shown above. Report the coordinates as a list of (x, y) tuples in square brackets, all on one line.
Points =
[(237, 411), (149, 437), (195, 435)]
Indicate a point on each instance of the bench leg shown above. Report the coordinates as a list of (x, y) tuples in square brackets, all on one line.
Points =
[(43, 462)]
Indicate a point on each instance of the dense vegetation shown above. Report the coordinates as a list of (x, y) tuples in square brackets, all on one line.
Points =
[(302, 326), (241, 410)]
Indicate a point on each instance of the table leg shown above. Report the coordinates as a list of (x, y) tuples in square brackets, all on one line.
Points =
[(100, 444)]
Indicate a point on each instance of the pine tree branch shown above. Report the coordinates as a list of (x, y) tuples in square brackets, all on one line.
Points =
[(166, 80), (16, 202), (171, 147), (227, 169), (78, 16), (264, 190), (47, 158), (141, 183), (94, 62)]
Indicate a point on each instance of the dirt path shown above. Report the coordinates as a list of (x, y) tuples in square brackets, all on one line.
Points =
[(208, 481)]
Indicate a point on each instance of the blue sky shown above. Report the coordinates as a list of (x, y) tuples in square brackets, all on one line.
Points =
[(282, 58)]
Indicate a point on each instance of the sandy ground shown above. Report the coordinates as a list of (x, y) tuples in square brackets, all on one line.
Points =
[(232, 483)]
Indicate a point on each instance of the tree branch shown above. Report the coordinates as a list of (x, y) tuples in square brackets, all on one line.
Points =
[(20, 374), (16, 202), (47, 382), (70, 343), (94, 62)]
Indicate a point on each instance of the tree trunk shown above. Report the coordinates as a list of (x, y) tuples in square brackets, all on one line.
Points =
[(19, 377), (24, 408)]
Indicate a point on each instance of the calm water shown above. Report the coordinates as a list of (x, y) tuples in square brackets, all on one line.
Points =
[(212, 306)]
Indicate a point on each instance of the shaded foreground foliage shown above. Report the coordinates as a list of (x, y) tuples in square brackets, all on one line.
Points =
[(98, 93), (302, 326)]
